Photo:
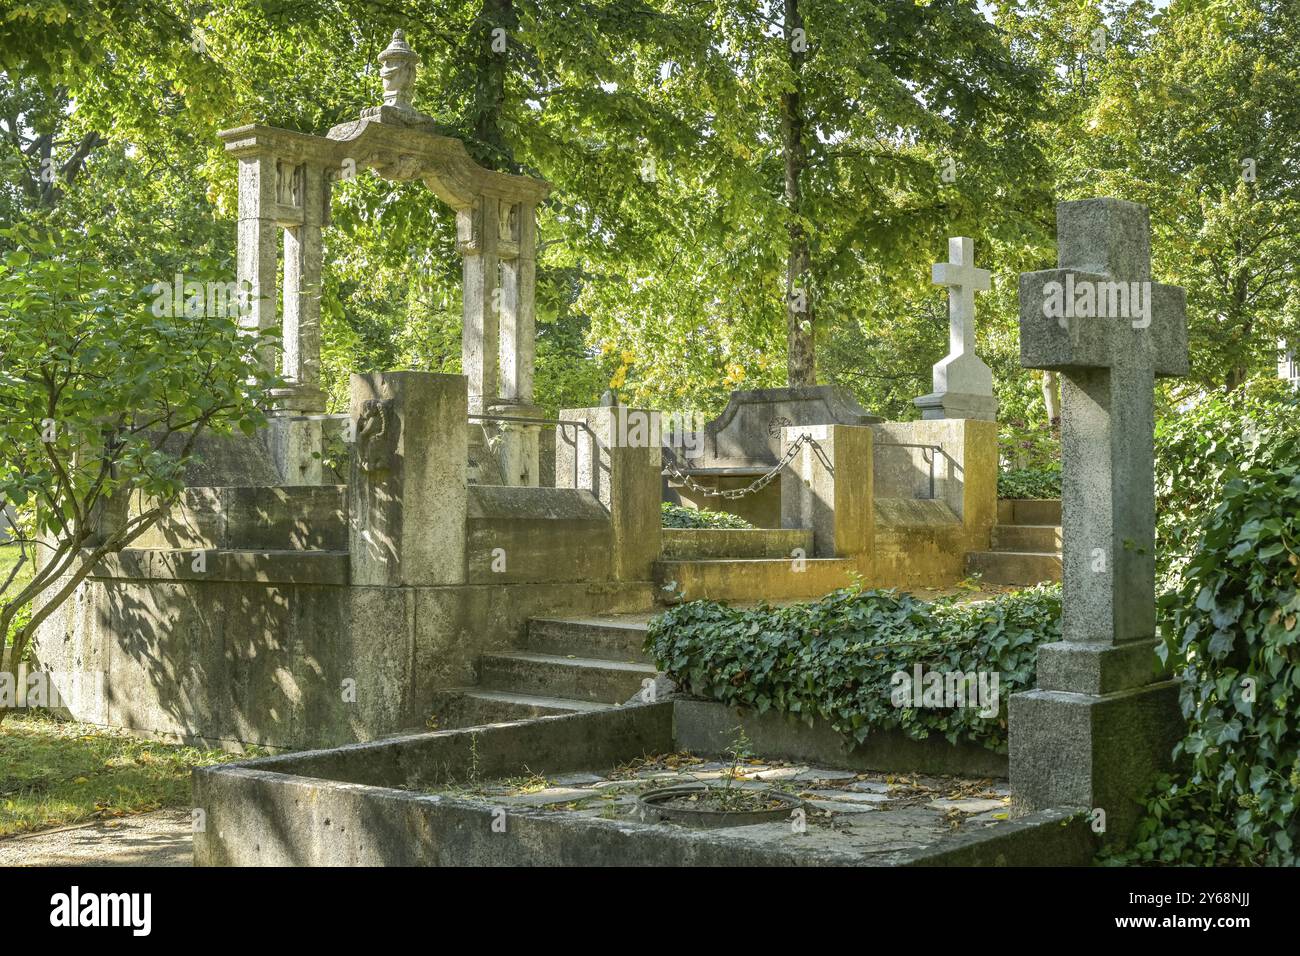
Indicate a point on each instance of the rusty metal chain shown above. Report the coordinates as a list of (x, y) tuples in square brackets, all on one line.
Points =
[(759, 483)]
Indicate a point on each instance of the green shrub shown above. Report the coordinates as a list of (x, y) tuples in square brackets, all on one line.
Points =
[(836, 658), (1030, 483), (1232, 633), (1199, 450), (675, 516)]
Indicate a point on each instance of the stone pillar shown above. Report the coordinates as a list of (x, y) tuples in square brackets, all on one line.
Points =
[(828, 488), (518, 451), (477, 236), (407, 496), (297, 437), (302, 291), (518, 318), (258, 245), (978, 476), (624, 471), (1101, 723), (518, 448)]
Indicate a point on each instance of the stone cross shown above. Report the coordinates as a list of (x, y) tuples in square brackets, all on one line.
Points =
[(1100, 321), (1101, 722), (963, 384)]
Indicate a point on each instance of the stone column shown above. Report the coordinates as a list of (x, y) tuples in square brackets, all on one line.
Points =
[(297, 438), (623, 470), (518, 329), (478, 234), (302, 291), (828, 488), (258, 245), (518, 453), (407, 496), (1102, 722)]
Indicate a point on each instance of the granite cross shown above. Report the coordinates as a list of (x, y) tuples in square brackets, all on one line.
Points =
[(963, 384), (1108, 357)]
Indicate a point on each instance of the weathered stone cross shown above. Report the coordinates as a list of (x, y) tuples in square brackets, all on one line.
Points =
[(1108, 365), (963, 384), (1101, 723)]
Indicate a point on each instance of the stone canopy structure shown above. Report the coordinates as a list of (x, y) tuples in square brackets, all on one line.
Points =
[(284, 190)]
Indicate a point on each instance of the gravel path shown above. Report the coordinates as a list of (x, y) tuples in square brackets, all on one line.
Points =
[(161, 838)]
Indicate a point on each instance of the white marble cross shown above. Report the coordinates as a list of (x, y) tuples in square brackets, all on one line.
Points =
[(963, 384), (963, 280)]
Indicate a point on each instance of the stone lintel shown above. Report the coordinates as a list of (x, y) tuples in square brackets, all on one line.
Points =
[(297, 398)]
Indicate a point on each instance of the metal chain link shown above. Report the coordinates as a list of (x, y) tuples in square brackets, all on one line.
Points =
[(759, 483)]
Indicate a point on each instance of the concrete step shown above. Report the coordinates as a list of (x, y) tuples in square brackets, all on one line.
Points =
[(1029, 511), (760, 579), (550, 675), (684, 544), (1027, 537), (1014, 567), (473, 707), (600, 638)]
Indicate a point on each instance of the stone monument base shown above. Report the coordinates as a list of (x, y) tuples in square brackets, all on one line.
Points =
[(1095, 752), (957, 405)]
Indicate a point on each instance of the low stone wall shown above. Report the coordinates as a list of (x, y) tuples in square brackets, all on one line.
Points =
[(705, 727), (354, 806), (283, 664)]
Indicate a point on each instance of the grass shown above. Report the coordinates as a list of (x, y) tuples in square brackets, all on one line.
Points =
[(9, 555), (55, 773)]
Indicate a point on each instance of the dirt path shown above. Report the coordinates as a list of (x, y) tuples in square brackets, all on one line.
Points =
[(161, 838)]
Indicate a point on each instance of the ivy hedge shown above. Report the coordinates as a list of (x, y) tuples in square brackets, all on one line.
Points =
[(1030, 483), (675, 516), (836, 658), (1228, 491)]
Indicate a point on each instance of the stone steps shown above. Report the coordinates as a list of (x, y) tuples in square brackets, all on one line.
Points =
[(576, 678), (1014, 567), (600, 638), (1026, 544), (473, 707), (686, 544), (1029, 511), (1027, 537), (566, 666)]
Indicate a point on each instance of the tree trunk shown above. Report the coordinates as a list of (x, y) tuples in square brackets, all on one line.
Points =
[(799, 309), (492, 64), (1240, 313)]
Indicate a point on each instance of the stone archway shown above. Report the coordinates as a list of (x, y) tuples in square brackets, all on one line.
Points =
[(284, 190)]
